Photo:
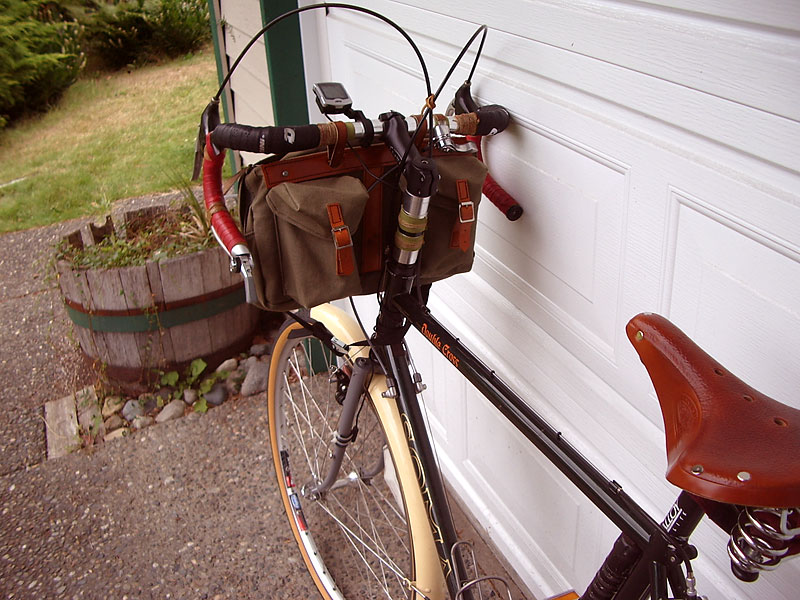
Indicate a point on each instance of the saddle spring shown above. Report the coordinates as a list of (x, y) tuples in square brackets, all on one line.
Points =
[(761, 538)]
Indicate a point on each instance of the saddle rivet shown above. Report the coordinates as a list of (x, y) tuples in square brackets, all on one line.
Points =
[(697, 469), (743, 476), (639, 336)]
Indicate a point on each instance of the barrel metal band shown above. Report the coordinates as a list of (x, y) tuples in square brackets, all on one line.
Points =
[(151, 319)]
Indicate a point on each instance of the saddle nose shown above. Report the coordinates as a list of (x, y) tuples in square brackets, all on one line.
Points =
[(726, 441)]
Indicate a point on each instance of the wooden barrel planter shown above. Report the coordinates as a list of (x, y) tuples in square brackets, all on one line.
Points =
[(132, 322)]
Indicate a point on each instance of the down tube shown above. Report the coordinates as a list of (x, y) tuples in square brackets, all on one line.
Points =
[(607, 495)]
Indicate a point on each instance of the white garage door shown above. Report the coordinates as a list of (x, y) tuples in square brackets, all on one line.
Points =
[(656, 150)]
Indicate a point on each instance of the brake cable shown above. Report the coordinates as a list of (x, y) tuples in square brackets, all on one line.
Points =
[(326, 5)]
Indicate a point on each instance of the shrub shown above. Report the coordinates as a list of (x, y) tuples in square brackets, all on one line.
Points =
[(180, 26), (118, 35), (39, 57), (132, 32)]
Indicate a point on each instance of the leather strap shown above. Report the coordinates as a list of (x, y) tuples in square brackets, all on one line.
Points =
[(336, 150), (462, 230), (345, 259)]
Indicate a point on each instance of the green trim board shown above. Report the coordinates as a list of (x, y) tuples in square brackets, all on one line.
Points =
[(285, 64), (155, 321)]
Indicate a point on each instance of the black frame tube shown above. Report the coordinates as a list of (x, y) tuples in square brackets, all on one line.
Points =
[(607, 495), (663, 547)]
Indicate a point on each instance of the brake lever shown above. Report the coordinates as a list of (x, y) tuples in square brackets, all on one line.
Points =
[(241, 263), (208, 121)]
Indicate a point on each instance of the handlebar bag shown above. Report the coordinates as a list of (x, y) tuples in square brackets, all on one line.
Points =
[(258, 225), (286, 220), (449, 246), (274, 236), (316, 223)]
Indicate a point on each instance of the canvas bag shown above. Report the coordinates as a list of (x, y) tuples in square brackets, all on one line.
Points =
[(316, 222), (449, 246), (283, 205)]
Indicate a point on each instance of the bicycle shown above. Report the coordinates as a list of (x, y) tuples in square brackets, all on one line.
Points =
[(357, 469)]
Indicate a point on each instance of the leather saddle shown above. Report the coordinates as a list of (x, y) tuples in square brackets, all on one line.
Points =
[(726, 441)]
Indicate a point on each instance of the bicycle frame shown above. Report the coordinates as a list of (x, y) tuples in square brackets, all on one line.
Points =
[(646, 556)]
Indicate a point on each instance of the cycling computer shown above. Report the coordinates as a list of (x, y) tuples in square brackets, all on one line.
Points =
[(332, 98)]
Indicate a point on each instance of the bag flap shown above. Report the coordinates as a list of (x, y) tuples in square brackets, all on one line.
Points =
[(453, 168), (304, 205)]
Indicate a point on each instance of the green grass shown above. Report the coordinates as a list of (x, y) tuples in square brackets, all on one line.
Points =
[(111, 137)]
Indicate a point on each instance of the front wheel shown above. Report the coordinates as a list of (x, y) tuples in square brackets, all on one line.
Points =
[(368, 536)]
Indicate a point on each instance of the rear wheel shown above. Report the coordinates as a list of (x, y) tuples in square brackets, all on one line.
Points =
[(355, 538)]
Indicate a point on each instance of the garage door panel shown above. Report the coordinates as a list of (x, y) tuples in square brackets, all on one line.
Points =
[(654, 149), (736, 291)]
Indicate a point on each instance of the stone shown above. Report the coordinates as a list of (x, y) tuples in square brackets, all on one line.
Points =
[(112, 405), (113, 422), (165, 395), (217, 394), (234, 381), (148, 402), (259, 349), (173, 410), (248, 364), (256, 379), (132, 409), (190, 396), (117, 433), (142, 422), (229, 365)]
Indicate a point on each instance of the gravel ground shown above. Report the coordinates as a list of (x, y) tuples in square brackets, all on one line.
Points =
[(38, 360), (186, 509)]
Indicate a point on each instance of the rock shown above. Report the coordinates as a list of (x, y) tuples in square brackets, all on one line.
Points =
[(117, 433), (229, 365), (173, 410), (111, 405), (190, 396), (148, 402), (217, 394), (142, 422), (132, 409), (259, 349), (256, 379), (165, 395), (113, 422), (234, 382), (249, 363)]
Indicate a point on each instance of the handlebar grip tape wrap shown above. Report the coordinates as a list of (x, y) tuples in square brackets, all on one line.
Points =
[(266, 140), (495, 192), (492, 119), (221, 219), (501, 199)]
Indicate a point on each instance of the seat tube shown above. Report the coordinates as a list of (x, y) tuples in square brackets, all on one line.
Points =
[(629, 572)]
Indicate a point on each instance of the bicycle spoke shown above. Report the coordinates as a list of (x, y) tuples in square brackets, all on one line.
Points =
[(365, 512), (352, 536)]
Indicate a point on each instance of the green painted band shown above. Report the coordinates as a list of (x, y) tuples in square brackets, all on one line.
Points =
[(156, 321)]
